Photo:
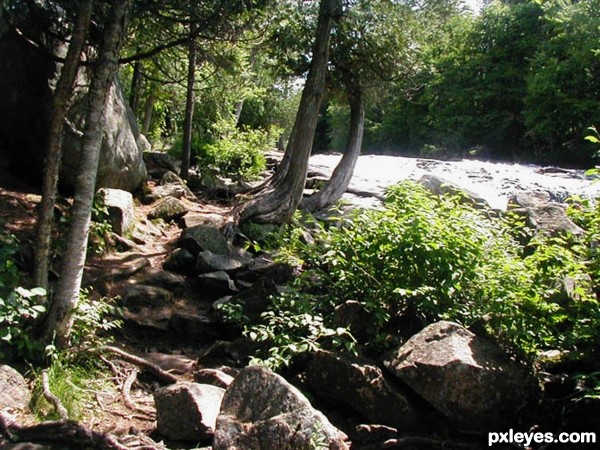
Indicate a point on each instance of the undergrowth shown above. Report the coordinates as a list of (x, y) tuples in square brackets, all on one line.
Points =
[(424, 258)]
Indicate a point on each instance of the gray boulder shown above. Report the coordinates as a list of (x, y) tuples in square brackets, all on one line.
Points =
[(551, 219), (187, 411), (159, 163), (136, 296), (121, 210), (467, 378), (180, 261), (262, 411), (14, 392), (529, 199), (361, 385), (439, 186), (217, 281), (121, 163)]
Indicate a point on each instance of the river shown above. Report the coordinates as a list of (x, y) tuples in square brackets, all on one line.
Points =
[(495, 182)]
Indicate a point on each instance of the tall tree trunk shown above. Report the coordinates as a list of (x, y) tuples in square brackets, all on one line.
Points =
[(340, 179), (148, 111), (134, 95), (60, 105), (60, 316), (280, 198), (189, 106)]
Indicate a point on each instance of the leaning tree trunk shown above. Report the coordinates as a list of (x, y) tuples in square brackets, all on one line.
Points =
[(60, 105), (189, 107), (60, 316), (280, 198), (340, 179)]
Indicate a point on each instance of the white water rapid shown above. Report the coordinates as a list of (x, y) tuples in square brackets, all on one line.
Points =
[(495, 182)]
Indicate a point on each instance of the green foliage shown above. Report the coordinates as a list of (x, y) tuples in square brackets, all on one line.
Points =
[(93, 319), (19, 307), (425, 258), (100, 227), (294, 325), (233, 153), (238, 154), (76, 386), (18, 310)]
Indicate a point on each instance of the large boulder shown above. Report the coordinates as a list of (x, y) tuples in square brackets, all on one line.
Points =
[(361, 385), (27, 80), (187, 411), (465, 377), (550, 219), (14, 392), (262, 411), (121, 163)]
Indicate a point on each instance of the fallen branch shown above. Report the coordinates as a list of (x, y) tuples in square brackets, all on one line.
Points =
[(53, 399), (159, 373)]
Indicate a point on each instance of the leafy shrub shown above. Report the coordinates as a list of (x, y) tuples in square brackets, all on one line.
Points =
[(18, 306), (424, 258), (234, 153)]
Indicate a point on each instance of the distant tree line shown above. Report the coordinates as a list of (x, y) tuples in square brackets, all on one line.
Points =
[(519, 81)]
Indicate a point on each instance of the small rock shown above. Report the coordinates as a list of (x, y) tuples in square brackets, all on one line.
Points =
[(196, 326), (14, 392), (217, 281), (163, 279), (180, 261), (354, 316), (207, 261), (187, 411), (121, 211), (213, 377), (467, 378), (168, 209), (261, 410), (137, 296)]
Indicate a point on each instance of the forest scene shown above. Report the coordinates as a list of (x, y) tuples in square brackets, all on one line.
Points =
[(299, 224)]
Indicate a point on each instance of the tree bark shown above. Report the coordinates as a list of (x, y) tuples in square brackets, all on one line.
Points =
[(60, 105), (148, 112), (134, 95), (340, 179), (280, 198), (60, 315), (189, 107)]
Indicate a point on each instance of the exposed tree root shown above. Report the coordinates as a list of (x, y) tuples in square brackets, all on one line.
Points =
[(53, 399), (159, 373), (57, 432), (126, 389)]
